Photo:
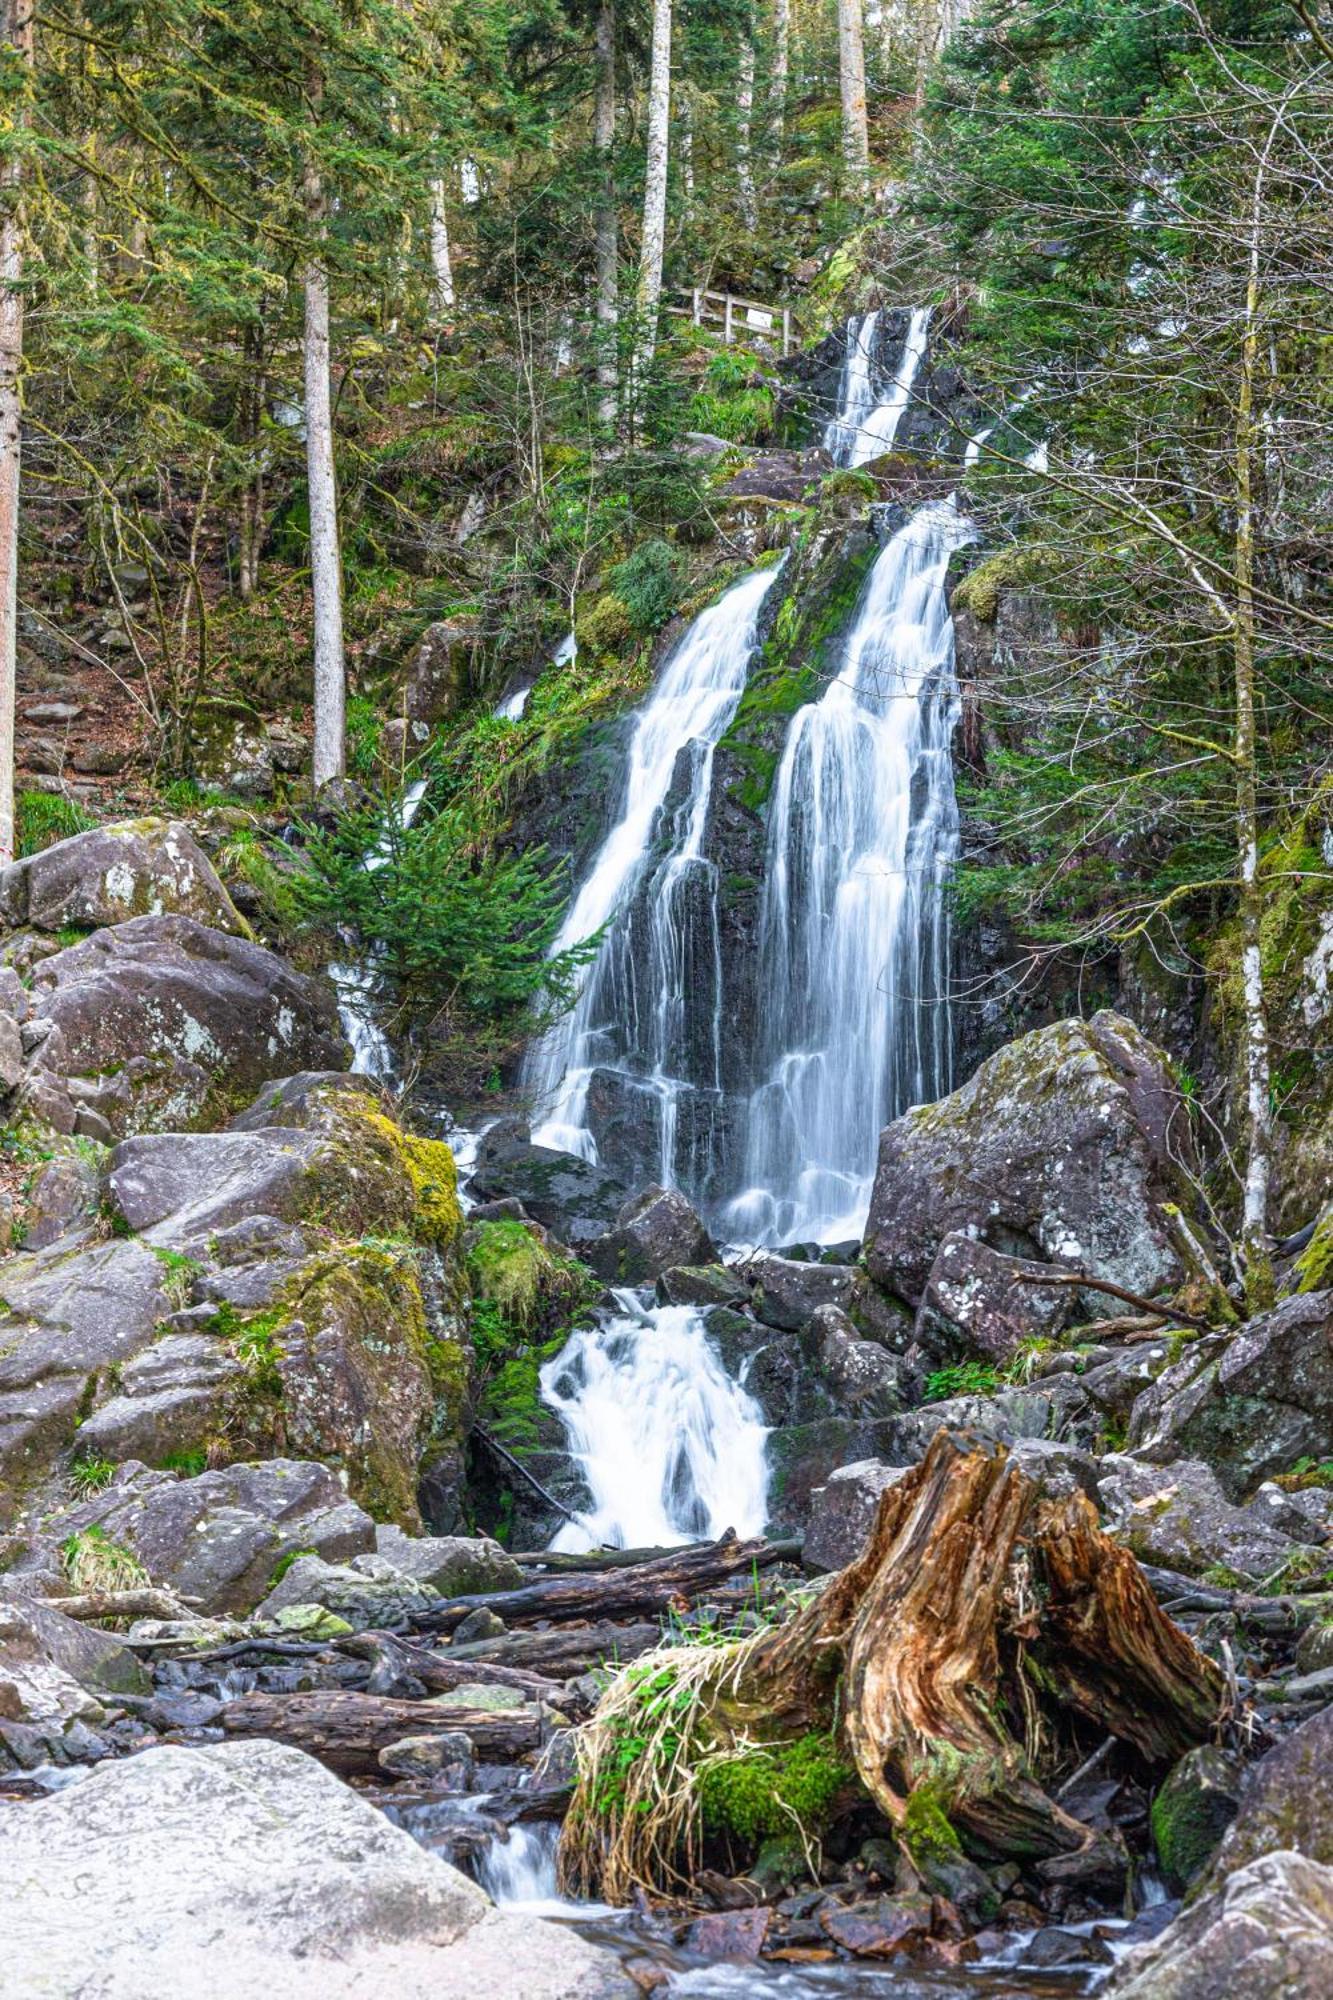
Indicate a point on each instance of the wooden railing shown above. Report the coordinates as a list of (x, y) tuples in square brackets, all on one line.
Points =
[(737, 318)]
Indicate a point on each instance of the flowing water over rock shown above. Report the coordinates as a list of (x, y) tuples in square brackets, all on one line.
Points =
[(672, 1449), (855, 933), (647, 1014)]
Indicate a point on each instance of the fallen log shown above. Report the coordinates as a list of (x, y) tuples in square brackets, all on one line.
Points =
[(570, 1649), (562, 1562), (658, 1586), (440, 1672), (982, 1642), (144, 1601), (347, 1731)]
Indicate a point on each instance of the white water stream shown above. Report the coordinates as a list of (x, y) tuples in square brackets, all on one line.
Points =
[(653, 893), (672, 1449)]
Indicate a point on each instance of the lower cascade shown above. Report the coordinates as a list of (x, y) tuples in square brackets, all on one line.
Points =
[(671, 1447)]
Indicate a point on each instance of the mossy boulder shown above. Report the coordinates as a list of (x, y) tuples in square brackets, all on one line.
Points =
[(1286, 1802), (1192, 1812)]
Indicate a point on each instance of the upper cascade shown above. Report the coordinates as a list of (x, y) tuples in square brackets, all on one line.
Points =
[(868, 415), (646, 1022)]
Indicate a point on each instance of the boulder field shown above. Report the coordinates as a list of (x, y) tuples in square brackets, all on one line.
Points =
[(264, 1386)]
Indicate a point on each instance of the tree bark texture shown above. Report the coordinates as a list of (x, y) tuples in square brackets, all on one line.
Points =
[(322, 486), (16, 23), (655, 186), (852, 81)]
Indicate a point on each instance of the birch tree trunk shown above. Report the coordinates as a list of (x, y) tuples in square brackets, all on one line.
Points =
[(655, 188), (607, 248), (16, 21), (852, 79), (442, 263), (744, 136), (321, 481), (777, 98)]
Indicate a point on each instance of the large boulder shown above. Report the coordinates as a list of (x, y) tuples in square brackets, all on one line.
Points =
[(1064, 1145), (1193, 1810), (217, 1538), (55, 1671), (139, 868), (654, 1231), (978, 1303), (1265, 1934), (842, 1513), (1252, 1402), (244, 1869), (455, 1565), (786, 1291), (1287, 1801), (1178, 1517), (182, 1021), (439, 674)]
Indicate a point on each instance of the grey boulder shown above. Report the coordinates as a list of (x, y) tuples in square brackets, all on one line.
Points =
[(246, 1869), (455, 1565), (573, 1198), (1064, 1145), (138, 868), (843, 1511), (1287, 1800), (180, 1018), (53, 1670), (785, 1292), (654, 1231), (1251, 1402), (1265, 1934), (1178, 1516), (368, 1592)]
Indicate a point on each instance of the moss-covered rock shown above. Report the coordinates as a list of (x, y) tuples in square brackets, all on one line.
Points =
[(1192, 1811)]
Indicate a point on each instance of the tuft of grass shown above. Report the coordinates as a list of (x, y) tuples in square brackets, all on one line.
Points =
[(962, 1378), (42, 818), (90, 1475), (92, 1561)]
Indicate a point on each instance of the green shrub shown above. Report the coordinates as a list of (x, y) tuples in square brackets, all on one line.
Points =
[(963, 1378), (605, 628), (648, 584)]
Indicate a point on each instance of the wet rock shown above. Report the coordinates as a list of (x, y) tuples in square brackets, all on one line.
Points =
[(734, 1936), (183, 1016), (1178, 1516), (880, 1928), (654, 1231), (1193, 1810), (1252, 1402), (478, 1625), (1265, 1934), (700, 1285), (455, 1565), (785, 1293), (979, 1303), (448, 1757), (1063, 1145), (141, 868), (577, 1201), (803, 1457), (246, 1868), (842, 1511), (1286, 1801)]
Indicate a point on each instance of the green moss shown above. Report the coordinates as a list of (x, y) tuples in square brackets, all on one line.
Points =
[(849, 483), (927, 1832), (1314, 1266), (979, 591), (964, 1378), (772, 1790)]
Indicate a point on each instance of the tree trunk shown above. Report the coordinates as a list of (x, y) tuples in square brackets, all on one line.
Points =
[(655, 188), (781, 69), (607, 248), (18, 35), (852, 79), (322, 486), (347, 1731), (440, 258), (744, 136), (978, 1647), (1254, 1226)]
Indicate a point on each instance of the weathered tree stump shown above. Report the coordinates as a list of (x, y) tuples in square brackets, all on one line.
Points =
[(980, 1646)]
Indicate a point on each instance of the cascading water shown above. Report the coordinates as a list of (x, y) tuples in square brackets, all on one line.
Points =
[(854, 933), (856, 392), (672, 1449), (647, 1018), (357, 986), (876, 431)]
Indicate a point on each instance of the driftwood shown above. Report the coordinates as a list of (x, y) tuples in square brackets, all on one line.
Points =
[(347, 1731), (662, 1585), (982, 1644), (1080, 1281), (560, 1562), (1278, 1617), (570, 1649), (144, 1601), (440, 1672)]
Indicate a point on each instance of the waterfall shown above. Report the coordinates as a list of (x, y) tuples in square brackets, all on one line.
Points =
[(357, 986), (672, 1449), (647, 1019), (856, 392), (854, 932)]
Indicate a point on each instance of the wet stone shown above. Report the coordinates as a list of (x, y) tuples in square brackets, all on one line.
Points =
[(880, 1928)]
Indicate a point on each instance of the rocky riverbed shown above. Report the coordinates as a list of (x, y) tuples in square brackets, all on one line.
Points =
[(270, 1700)]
